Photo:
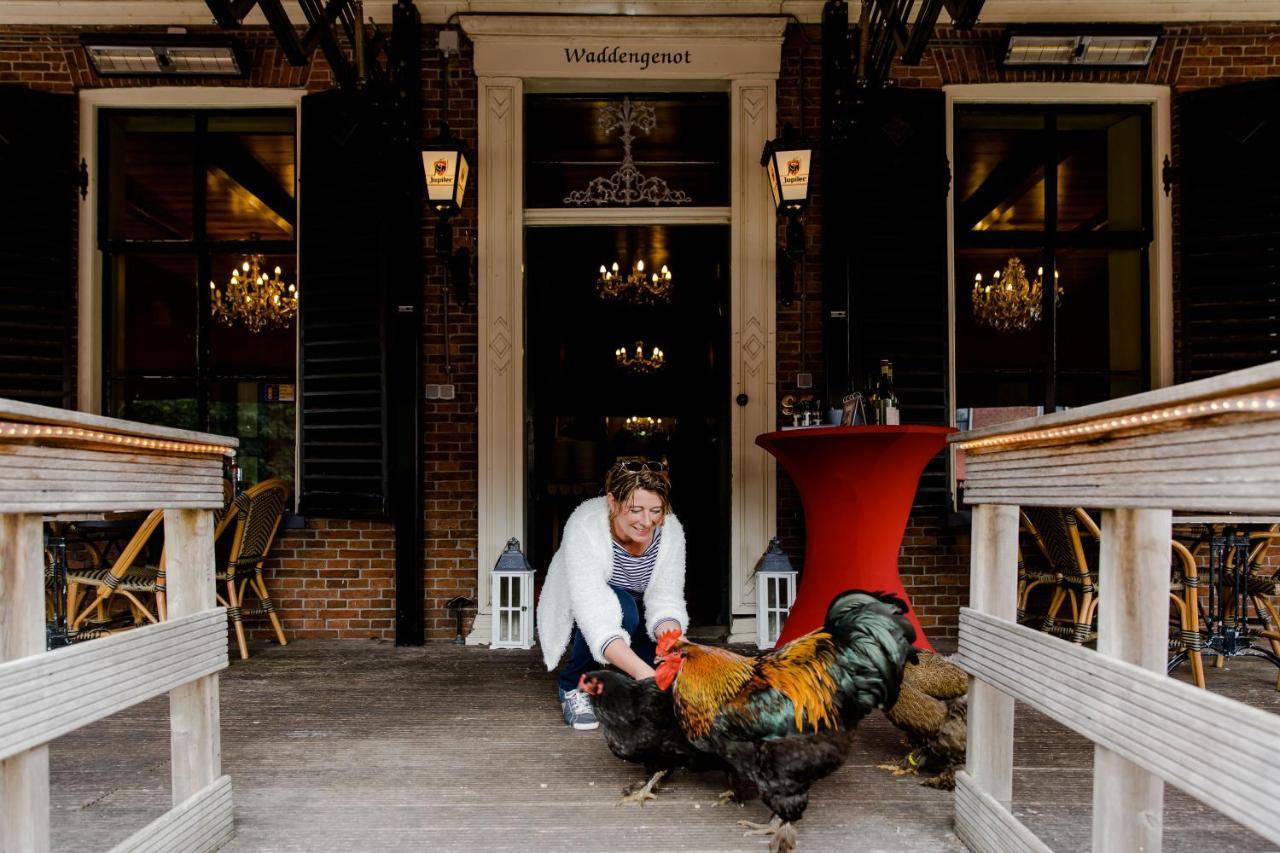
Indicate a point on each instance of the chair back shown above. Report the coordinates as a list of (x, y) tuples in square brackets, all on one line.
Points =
[(258, 513), (1056, 532)]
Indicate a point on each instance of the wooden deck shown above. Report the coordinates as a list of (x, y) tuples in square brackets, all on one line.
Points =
[(361, 746)]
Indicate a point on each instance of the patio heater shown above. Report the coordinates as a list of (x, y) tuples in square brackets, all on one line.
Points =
[(512, 597), (775, 593)]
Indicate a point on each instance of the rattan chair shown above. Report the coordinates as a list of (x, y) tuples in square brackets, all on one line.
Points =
[(141, 585), (253, 519), (1067, 551)]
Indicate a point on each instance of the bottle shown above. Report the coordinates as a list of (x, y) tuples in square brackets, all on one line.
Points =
[(874, 415), (888, 396)]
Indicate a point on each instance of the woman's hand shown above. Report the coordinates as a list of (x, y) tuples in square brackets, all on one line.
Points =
[(620, 655)]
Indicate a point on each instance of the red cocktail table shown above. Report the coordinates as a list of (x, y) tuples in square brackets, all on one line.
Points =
[(856, 485)]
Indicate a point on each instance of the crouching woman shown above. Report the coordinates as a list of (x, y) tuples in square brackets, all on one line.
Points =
[(615, 584)]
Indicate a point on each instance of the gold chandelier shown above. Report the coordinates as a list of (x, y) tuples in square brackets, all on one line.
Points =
[(643, 427), (253, 299), (638, 362), (1010, 303), (635, 286)]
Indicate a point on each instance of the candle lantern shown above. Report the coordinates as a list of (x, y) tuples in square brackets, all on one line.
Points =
[(512, 599), (775, 593)]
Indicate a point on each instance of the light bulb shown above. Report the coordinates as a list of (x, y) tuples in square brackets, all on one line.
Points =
[(639, 266), (602, 270), (245, 266)]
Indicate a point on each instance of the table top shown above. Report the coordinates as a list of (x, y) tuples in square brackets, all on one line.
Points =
[(1224, 518)]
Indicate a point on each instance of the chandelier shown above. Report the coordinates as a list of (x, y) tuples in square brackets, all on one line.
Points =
[(253, 299), (643, 427), (635, 286), (1010, 303), (638, 362)]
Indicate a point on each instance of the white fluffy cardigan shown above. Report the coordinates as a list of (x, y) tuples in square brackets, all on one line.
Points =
[(577, 584)]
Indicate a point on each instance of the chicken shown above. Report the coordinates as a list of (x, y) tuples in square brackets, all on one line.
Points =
[(932, 709), (640, 726), (784, 719)]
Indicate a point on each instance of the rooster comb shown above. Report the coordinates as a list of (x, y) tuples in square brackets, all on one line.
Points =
[(667, 641)]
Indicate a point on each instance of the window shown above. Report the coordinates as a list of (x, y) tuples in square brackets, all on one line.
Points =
[(189, 195), (1087, 227)]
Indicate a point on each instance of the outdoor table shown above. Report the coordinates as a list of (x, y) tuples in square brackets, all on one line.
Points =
[(856, 485)]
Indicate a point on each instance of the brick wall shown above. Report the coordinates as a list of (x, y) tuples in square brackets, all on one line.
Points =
[(335, 578)]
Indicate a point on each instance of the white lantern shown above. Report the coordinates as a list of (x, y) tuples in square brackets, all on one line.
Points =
[(775, 593), (512, 600)]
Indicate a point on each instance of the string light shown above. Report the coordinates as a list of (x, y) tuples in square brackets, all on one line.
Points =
[(9, 429), (1182, 411)]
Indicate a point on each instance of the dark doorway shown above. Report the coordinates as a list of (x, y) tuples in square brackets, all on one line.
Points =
[(585, 409)]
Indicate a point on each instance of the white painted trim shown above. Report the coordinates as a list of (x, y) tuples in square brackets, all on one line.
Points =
[(196, 13), (89, 267), (555, 216), (753, 47)]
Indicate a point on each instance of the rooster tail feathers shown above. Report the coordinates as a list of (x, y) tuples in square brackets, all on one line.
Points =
[(873, 639)]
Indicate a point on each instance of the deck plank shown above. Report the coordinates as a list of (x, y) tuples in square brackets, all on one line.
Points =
[(359, 745)]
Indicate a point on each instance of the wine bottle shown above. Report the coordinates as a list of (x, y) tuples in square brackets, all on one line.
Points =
[(874, 415), (888, 396)]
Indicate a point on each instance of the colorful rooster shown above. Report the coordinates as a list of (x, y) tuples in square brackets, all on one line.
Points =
[(784, 720)]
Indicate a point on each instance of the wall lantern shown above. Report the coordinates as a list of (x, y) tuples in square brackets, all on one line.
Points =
[(775, 593), (512, 599), (445, 169), (787, 160)]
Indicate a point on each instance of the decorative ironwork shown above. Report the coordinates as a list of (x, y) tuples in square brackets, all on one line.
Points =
[(639, 362), (628, 185), (1010, 303), (634, 287)]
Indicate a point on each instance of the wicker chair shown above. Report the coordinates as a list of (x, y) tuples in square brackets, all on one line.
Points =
[(1059, 540), (127, 577), (254, 518)]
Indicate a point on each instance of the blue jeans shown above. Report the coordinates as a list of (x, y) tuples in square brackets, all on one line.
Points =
[(580, 657)]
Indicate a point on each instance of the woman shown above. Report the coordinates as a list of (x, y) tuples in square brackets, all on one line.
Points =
[(616, 583)]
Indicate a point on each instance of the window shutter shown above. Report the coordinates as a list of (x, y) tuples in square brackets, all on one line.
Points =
[(347, 187), (1229, 193), (37, 206), (899, 265)]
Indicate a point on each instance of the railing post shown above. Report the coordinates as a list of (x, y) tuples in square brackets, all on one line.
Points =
[(993, 589), (196, 740), (24, 778), (1133, 626)]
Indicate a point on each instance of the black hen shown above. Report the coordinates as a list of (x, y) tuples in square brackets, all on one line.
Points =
[(639, 725)]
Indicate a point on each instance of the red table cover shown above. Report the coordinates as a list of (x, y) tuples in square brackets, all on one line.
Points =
[(856, 485)]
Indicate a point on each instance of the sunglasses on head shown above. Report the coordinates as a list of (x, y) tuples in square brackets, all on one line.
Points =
[(643, 465)]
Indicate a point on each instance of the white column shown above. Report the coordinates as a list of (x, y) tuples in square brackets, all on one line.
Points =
[(501, 331), (195, 734), (753, 348), (993, 589), (1133, 626), (24, 778)]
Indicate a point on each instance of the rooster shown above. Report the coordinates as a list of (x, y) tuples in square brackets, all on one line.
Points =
[(640, 726), (932, 709), (784, 719)]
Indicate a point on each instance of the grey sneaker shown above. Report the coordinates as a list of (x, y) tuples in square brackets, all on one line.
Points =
[(578, 711)]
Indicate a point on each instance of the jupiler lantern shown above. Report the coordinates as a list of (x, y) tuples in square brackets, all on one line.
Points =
[(445, 169), (512, 599), (775, 593), (787, 160)]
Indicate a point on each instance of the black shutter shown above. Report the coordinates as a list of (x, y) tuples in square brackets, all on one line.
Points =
[(37, 240), (898, 304), (1229, 190), (347, 192)]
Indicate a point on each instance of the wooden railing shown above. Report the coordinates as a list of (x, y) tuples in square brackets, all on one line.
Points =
[(53, 461), (1211, 446)]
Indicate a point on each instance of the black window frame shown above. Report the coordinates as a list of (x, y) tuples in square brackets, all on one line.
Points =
[(1049, 240), (198, 247)]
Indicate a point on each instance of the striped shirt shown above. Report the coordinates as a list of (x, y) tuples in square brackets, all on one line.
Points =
[(631, 572)]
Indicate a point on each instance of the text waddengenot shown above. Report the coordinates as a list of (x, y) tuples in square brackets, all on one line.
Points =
[(617, 55)]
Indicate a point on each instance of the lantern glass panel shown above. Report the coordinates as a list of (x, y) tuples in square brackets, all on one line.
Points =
[(442, 171), (793, 167)]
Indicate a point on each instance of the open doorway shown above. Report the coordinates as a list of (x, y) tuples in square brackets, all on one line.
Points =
[(589, 400)]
